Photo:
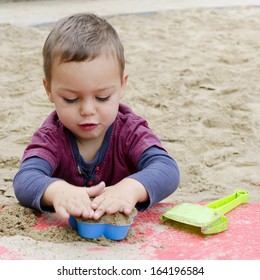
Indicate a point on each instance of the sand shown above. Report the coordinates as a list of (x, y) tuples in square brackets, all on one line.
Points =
[(193, 74)]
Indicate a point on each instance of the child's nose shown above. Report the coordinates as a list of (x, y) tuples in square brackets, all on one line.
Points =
[(87, 108)]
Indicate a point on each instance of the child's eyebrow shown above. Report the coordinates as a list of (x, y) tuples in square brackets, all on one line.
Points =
[(105, 88), (67, 89), (101, 89)]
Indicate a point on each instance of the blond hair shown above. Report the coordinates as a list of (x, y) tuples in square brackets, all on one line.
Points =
[(81, 37)]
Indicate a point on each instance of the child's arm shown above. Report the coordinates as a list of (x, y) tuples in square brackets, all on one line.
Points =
[(30, 182), (159, 173), (35, 188), (158, 178)]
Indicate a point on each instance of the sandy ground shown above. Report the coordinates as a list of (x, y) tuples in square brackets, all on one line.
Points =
[(193, 74)]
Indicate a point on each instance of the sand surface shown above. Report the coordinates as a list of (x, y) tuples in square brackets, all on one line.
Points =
[(193, 74)]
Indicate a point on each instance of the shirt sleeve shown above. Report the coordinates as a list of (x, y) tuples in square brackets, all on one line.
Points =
[(159, 174), (30, 182)]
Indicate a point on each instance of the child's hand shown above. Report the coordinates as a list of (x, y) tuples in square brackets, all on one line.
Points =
[(69, 200), (121, 197)]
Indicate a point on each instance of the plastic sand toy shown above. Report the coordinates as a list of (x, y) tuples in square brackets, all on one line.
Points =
[(209, 218)]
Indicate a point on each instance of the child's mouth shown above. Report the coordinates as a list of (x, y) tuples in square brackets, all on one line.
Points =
[(88, 126)]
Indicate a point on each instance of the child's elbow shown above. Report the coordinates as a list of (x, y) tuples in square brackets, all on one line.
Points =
[(175, 171), (17, 188)]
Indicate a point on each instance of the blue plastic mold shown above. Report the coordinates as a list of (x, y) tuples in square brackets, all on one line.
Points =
[(95, 230)]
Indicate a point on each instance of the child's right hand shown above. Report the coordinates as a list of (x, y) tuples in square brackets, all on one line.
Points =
[(69, 200)]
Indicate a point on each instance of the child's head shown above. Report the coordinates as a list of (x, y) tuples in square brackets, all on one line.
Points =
[(84, 75), (81, 37)]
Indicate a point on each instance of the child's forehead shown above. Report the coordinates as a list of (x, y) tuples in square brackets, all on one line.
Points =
[(91, 76), (100, 64), (105, 56)]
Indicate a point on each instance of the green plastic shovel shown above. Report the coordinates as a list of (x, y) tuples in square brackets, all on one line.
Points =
[(210, 218)]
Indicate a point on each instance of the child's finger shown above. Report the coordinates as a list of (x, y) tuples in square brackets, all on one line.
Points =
[(96, 190), (118, 206), (98, 213), (87, 213), (95, 203), (61, 211)]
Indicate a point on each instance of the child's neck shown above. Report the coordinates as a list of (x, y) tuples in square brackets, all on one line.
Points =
[(89, 148)]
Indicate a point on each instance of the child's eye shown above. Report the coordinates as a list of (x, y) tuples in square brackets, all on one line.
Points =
[(70, 101), (103, 99)]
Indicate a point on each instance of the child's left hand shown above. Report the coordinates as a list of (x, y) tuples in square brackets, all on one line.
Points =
[(121, 197)]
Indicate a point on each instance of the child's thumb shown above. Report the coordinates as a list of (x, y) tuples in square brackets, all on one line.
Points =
[(96, 190)]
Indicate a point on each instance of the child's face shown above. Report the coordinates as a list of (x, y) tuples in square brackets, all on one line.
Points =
[(87, 95)]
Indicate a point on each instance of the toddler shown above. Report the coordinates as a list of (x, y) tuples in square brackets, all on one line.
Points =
[(92, 155)]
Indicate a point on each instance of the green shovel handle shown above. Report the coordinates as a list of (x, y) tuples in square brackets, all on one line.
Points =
[(230, 202)]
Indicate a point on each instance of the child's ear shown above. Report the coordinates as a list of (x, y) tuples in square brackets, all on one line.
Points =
[(124, 80), (123, 84), (47, 89)]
